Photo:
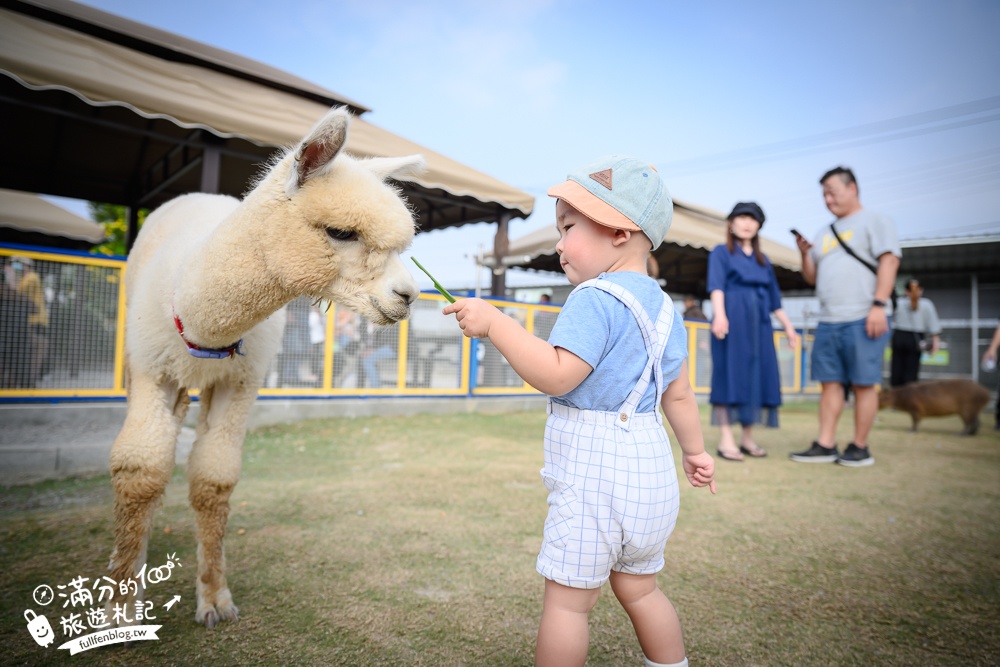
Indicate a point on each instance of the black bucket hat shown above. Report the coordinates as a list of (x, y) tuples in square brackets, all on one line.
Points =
[(748, 208)]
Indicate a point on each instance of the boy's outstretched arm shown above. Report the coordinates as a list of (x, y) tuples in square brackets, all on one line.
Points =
[(548, 369), (681, 409)]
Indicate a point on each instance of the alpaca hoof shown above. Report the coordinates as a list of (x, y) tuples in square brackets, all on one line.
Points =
[(210, 615)]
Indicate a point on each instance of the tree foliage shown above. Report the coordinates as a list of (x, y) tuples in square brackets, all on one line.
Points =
[(114, 219)]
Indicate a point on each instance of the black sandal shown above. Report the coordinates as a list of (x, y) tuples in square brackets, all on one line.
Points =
[(727, 457), (758, 453)]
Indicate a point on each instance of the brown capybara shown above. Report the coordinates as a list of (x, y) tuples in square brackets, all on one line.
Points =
[(938, 398)]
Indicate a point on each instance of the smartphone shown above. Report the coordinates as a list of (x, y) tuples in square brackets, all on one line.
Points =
[(795, 231)]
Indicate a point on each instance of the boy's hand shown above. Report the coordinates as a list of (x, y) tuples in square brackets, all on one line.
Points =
[(700, 469), (474, 316)]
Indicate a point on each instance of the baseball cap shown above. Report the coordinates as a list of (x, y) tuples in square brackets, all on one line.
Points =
[(621, 193), (748, 208)]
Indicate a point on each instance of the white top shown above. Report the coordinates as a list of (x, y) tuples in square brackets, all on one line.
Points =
[(922, 320)]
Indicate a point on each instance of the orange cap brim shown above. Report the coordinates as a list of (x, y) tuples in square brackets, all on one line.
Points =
[(592, 206)]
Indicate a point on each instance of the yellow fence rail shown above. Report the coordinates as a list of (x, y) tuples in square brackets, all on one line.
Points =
[(62, 329)]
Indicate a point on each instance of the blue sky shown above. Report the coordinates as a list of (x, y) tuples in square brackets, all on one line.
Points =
[(732, 101)]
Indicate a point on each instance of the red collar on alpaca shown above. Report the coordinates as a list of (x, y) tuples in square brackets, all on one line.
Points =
[(208, 353)]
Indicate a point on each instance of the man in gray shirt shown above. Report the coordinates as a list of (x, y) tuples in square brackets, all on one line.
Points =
[(853, 323), (915, 328)]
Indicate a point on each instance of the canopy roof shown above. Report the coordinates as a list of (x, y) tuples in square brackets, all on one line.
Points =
[(682, 259), (952, 255), (24, 216), (112, 110)]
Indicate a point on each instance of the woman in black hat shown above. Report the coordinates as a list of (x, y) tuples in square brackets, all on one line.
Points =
[(744, 292)]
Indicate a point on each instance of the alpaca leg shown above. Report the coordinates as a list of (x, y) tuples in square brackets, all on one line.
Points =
[(213, 471), (142, 459)]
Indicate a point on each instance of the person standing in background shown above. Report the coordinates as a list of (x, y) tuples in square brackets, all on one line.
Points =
[(295, 346), (853, 325), (15, 344), (29, 285), (746, 386), (989, 364), (379, 344), (692, 308), (317, 343), (914, 321)]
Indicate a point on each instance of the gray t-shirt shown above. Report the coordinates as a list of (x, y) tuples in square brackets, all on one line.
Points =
[(844, 286), (922, 320)]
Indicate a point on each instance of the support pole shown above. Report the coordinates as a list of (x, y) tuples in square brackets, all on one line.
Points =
[(133, 226), (211, 167), (501, 243)]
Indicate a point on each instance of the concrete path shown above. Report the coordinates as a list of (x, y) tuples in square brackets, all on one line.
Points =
[(55, 440), (47, 441)]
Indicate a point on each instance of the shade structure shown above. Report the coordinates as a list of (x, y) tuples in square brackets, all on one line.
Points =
[(27, 218), (682, 259), (113, 110)]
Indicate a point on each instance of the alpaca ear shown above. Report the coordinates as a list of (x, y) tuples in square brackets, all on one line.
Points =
[(397, 167), (316, 152)]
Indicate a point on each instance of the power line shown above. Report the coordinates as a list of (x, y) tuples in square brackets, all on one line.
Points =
[(755, 160), (879, 131), (970, 174), (972, 166), (945, 191)]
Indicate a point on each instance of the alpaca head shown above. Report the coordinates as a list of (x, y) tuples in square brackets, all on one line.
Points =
[(334, 228)]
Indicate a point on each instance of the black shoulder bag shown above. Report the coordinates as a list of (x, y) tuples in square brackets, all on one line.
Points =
[(873, 269)]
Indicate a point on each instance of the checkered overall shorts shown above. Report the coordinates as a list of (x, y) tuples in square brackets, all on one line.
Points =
[(613, 496)]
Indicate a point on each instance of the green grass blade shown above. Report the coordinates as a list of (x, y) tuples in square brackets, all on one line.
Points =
[(437, 285)]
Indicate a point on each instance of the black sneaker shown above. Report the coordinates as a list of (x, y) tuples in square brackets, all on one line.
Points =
[(816, 454), (856, 457)]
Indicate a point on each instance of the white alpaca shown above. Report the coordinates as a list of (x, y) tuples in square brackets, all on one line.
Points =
[(208, 276)]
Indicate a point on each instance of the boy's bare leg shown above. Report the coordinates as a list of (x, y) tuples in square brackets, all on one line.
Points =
[(653, 616), (564, 635)]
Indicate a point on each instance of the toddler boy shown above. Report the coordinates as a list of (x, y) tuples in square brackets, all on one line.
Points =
[(616, 350)]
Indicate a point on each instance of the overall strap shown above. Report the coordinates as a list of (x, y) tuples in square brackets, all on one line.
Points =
[(654, 336)]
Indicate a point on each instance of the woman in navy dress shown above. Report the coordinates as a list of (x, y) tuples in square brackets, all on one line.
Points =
[(744, 292)]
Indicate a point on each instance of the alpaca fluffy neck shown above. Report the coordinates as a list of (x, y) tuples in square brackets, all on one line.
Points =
[(227, 286)]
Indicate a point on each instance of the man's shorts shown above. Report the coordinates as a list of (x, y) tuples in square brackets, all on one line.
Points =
[(842, 352), (613, 496)]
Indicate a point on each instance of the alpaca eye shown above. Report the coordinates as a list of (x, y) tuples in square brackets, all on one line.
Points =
[(341, 234)]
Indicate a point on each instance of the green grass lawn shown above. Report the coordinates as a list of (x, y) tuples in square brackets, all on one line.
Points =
[(412, 541)]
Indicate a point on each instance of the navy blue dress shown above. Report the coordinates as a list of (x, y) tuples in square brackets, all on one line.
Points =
[(744, 364)]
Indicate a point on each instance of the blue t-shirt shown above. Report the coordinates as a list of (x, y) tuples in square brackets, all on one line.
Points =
[(602, 331)]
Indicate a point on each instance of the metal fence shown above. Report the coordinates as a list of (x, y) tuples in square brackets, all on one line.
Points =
[(62, 335), (792, 368), (61, 330)]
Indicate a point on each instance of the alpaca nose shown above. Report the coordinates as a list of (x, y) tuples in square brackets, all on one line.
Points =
[(407, 295)]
